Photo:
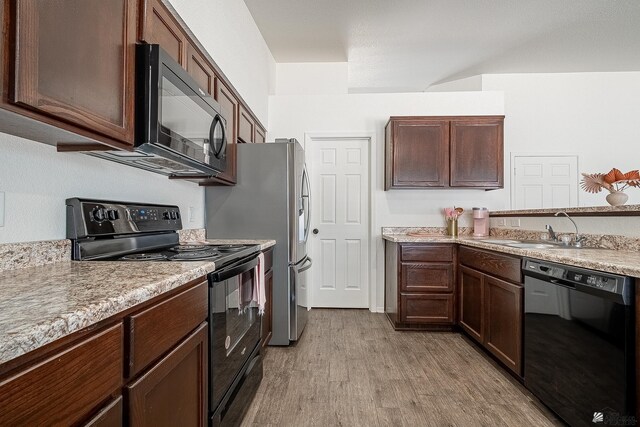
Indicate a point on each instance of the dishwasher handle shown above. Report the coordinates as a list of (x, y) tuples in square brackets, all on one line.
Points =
[(563, 283)]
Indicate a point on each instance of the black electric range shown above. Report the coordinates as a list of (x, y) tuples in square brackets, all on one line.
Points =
[(122, 231), (131, 232)]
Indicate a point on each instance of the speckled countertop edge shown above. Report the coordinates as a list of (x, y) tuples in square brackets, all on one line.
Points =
[(40, 304), (613, 210), (613, 261), (264, 244)]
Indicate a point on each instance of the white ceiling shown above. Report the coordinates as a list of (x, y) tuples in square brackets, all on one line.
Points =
[(408, 45)]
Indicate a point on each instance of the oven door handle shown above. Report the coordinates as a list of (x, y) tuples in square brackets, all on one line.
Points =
[(224, 274)]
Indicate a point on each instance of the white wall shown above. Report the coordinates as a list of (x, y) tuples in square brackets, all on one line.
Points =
[(593, 115), (37, 180), (312, 78), (228, 32), (292, 116)]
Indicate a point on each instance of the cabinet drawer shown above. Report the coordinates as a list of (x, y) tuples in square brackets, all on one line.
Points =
[(504, 266), (427, 308), (426, 277), (426, 253), (152, 332), (65, 388)]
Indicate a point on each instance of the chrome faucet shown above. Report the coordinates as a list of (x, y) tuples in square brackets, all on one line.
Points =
[(552, 234), (578, 239)]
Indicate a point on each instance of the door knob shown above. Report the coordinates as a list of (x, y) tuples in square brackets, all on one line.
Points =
[(315, 231)]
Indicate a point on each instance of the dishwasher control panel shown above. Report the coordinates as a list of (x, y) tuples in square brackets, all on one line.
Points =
[(570, 276)]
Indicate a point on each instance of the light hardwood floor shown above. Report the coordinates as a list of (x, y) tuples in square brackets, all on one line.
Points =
[(351, 368)]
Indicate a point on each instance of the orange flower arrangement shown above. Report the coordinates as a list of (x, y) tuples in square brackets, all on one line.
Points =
[(614, 181)]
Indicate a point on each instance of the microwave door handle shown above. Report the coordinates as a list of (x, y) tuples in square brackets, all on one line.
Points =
[(217, 119), (224, 274)]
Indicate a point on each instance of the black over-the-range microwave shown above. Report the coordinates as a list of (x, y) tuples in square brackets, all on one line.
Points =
[(179, 129)]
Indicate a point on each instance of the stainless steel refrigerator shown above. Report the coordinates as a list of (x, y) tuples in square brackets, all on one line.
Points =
[(271, 200)]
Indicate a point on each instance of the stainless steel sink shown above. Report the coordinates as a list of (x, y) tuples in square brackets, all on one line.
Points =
[(531, 244)]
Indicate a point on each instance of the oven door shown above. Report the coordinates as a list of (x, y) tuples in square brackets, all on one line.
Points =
[(234, 325)]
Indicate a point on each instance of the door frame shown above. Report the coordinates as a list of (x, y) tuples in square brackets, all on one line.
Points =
[(512, 170), (309, 138)]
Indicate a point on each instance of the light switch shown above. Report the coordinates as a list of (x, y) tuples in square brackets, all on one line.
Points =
[(1, 209)]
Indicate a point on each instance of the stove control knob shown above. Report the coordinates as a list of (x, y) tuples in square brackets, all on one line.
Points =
[(173, 215), (112, 215), (165, 215), (98, 214)]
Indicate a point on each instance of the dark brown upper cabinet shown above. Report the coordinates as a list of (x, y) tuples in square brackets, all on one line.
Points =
[(159, 27), (75, 61), (200, 70), (261, 136), (246, 127), (417, 153), (444, 152), (477, 153)]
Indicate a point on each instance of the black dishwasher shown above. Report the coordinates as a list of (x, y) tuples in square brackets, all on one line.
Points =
[(579, 344)]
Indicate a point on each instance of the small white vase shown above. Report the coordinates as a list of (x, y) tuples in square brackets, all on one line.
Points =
[(617, 198)]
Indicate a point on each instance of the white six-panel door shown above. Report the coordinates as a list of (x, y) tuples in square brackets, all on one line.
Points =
[(545, 182), (340, 214)]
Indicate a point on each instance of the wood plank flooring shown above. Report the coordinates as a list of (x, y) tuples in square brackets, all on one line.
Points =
[(351, 368)]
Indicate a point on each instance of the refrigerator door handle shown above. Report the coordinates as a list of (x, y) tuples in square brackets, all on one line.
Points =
[(300, 262), (305, 182), (306, 267)]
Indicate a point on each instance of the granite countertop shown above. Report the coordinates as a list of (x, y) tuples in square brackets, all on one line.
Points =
[(606, 210), (613, 261), (41, 304)]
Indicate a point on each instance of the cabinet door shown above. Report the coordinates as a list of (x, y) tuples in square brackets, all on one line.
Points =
[(246, 127), (426, 277), (503, 320), (159, 27), (477, 153), (200, 70), (267, 318), (427, 308), (419, 154), (75, 60), (229, 105), (260, 135), (174, 391), (109, 416), (471, 302)]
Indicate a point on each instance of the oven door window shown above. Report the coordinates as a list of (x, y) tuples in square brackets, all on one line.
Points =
[(187, 122), (242, 311)]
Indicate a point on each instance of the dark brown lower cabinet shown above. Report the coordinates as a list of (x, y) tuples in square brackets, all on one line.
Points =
[(66, 387), (174, 391), (491, 308), (83, 380), (427, 308), (420, 285), (109, 416), (503, 317)]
